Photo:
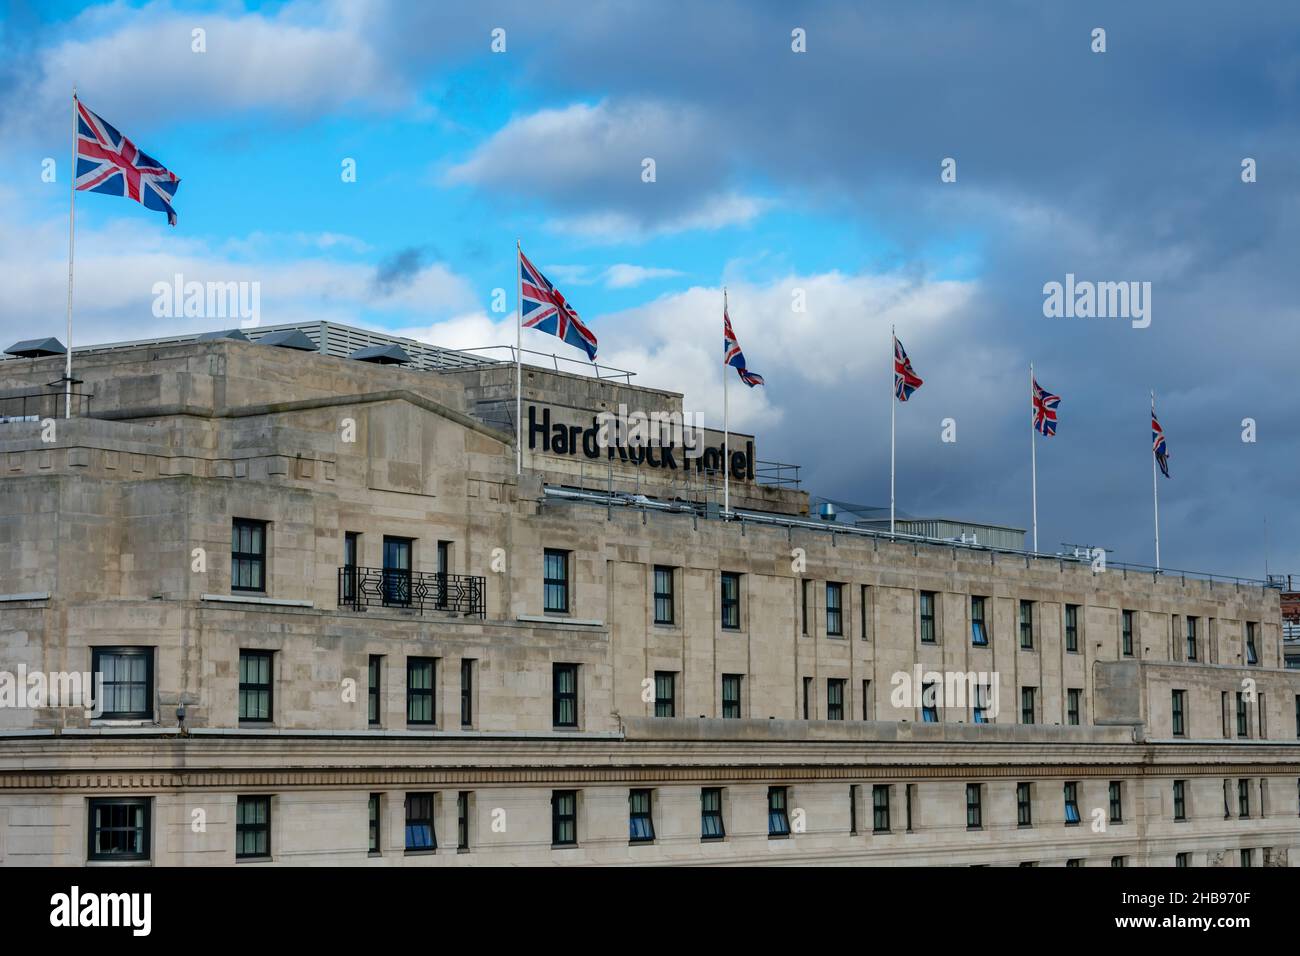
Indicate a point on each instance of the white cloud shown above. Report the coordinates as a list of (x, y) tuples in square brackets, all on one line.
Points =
[(624, 276)]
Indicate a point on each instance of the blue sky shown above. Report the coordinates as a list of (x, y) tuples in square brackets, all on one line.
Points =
[(776, 171)]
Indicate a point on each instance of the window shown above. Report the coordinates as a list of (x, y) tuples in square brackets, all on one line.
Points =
[(373, 678), (248, 556), (731, 696), (834, 699), (834, 609), (462, 820), (564, 818), (803, 602), (1073, 697), (1072, 803), (397, 571), (564, 695), (1027, 709), (853, 808), (930, 703), (665, 694), (1179, 702), (909, 791), (252, 827), (374, 822), (1227, 809), (420, 834), (1223, 713), (1027, 624), (466, 692), (1074, 862), (974, 813), (1180, 799), (119, 829), (255, 685), (420, 673), (807, 698), (1118, 861), (864, 610), (1191, 638), (980, 704), (640, 822), (1252, 657), (927, 617), (979, 634), (1126, 633), (1024, 805), (866, 702), (1243, 799), (880, 808), (351, 548), (444, 566), (127, 673), (730, 601), (1243, 724), (778, 820), (664, 604), (1116, 801), (711, 827), (1247, 858), (1072, 628), (555, 581), (1182, 860)]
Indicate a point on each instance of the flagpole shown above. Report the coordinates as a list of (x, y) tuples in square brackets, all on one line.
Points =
[(726, 424), (893, 372), (1155, 485), (519, 368), (72, 220), (1033, 454)]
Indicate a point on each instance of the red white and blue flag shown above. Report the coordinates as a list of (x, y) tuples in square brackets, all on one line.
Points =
[(906, 381), (1045, 410), (1158, 444), (733, 356), (544, 309), (108, 162)]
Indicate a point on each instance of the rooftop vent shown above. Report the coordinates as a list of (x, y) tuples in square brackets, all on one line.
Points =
[(36, 348), (288, 339), (391, 354), (235, 334), (826, 511)]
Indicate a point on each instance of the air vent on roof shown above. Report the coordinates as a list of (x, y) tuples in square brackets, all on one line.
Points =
[(35, 348), (391, 354), (288, 339), (235, 334)]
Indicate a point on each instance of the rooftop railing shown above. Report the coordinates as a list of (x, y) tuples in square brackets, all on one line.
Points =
[(38, 404)]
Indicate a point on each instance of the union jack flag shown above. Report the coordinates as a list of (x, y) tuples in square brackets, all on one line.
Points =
[(732, 355), (108, 162), (905, 380), (1158, 444), (545, 310), (1045, 410)]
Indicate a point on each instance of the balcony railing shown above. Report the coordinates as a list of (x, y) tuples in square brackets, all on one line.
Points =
[(461, 594)]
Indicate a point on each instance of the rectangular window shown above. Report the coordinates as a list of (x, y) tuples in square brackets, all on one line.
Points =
[(730, 601), (1183, 860), (1073, 697), (864, 610), (374, 822), (252, 827), (927, 617), (555, 581), (930, 703), (1179, 706), (1074, 862), (1191, 638), (866, 702), (420, 673), (255, 685), (1072, 803), (853, 808), (880, 808), (640, 821), (1126, 633), (834, 699), (351, 549), (127, 674), (248, 555), (731, 696), (980, 704), (803, 601), (664, 603), (374, 678), (979, 635), (1024, 805), (1180, 799), (665, 694), (909, 792), (1028, 712), (778, 819), (420, 833), (1118, 861), (1247, 858), (466, 692), (119, 829), (1243, 723), (711, 826), (807, 698), (1243, 799), (564, 695), (1027, 624), (1117, 801), (462, 820), (1072, 628), (444, 567), (1252, 657), (397, 571), (834, 609), (974, 810), (564, 818)]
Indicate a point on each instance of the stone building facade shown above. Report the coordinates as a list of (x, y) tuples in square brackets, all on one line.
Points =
[(335, 628)]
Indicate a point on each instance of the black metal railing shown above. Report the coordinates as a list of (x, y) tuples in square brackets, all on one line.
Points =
[(461, 594), (35, 405)]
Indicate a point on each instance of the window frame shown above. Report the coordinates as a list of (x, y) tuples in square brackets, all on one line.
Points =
[(834, 688), (880, 821), (414, 694), (778, 813), (1026, 625), (729, 615), (979, 634), (1115, 797), (664, 599), (559, 697), (142, 832), (1126, 618), (707, 813), (413, 803), (374, 690), (1178, 712), (643, 815), (553, 587), (666, 706), (930, 616), (268, 688), (835, 609), (974, 807), (561, 819), (1072, 628), (244, 828), (1070, 794), (241, 561), (731, 706), (1180, 801), (117, 652), (1024, 804)]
